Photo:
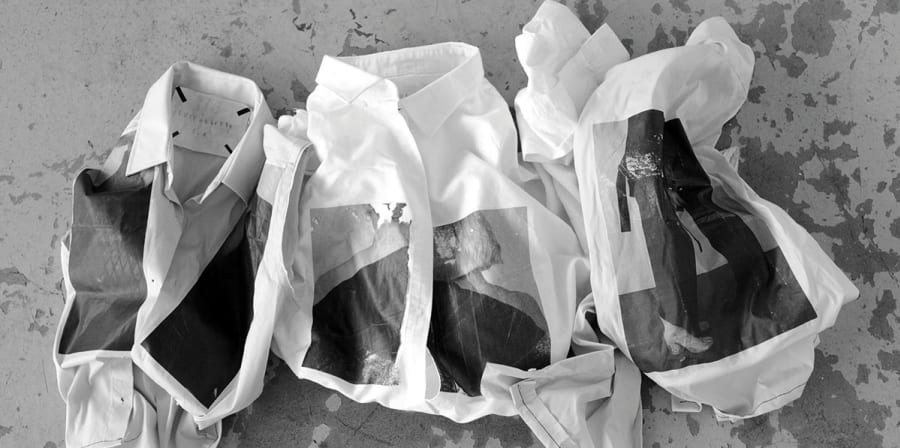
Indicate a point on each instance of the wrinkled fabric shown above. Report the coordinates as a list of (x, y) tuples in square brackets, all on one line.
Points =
[(564, 64), (402, 292), (713, 292), (157, 270)]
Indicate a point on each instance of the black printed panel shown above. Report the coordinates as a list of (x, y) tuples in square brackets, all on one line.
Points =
[(485, 306), (201, 343), (691, 318), (109, 223), (361, 267)]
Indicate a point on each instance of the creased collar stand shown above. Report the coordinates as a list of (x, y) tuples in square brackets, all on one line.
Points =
[(153, 136), (455, 67)]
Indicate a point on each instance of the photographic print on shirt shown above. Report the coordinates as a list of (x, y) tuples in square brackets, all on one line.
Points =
[(361, 270), (106, 249), (722, 284), (485, 305)]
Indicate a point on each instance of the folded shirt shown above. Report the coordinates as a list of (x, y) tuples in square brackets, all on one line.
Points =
[(152, 345), (716, 294)]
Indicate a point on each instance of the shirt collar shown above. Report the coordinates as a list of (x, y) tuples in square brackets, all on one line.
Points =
[(456, 68), (153, 138)]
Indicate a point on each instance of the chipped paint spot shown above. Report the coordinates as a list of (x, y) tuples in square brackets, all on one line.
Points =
[(660, 40), (878, 323), (812, 31), (680, 5), (7, 179), (837, 126), (350, 50), (809, 101), (788, 114), (226, 51), (889, 136), (629, 46), (12, 276), (319, 434), (295, 5), (333, 403), (679, 36), (889, 360), (862, 374), (830, 413), (734, 6), (692, 424), (830, 79), (768, 26), (267, 48), (888, 6), (591, 13), (831, 99), (755, 432), (16, 200), (4, 430), (656, 8), (755, 94), (50, 445), (299, 91)]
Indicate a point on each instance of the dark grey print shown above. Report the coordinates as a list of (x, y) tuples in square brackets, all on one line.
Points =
[(485, 306), (691, 317), (361, 269)]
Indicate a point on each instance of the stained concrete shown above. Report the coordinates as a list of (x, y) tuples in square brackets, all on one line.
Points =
[(818, 138)]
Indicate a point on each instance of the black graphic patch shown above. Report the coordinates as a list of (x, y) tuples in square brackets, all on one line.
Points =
[(109, 223), (201, 343), (691, 318), (361, 268), (485, 306)]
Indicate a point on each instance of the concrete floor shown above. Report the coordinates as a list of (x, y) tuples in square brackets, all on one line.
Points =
[(818, 136)]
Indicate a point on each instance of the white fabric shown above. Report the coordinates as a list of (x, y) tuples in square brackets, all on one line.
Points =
[(564, 64), (122, 398), (702, 84), (422, 126)]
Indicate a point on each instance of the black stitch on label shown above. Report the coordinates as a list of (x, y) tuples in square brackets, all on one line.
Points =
[(243, 111), (228, 148), (175, 134), (181, 94)]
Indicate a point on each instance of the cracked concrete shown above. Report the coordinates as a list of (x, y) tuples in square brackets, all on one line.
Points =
[(818, 138)]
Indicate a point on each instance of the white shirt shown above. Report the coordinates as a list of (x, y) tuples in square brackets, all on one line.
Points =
[(415, 234), (152, 233), (716, 294)]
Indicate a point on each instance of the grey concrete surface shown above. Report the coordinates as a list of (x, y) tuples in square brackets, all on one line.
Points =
[(818, 137)]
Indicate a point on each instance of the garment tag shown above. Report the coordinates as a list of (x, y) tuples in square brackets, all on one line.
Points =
[(206, 123), (687, 406)]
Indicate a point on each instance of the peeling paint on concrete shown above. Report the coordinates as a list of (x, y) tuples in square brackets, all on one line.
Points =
[(333, 403), (862, 374), (878, 324), (11, 276), (755, 432), (16, 200), (755, 93), (591, 12), (812, 30), (886, 6), (769, 27), (692, 424), (889, 135), (830, 412), (299, 91), (681, 5), (4, 430), (837, 126), (889, 360), (660, 40)]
